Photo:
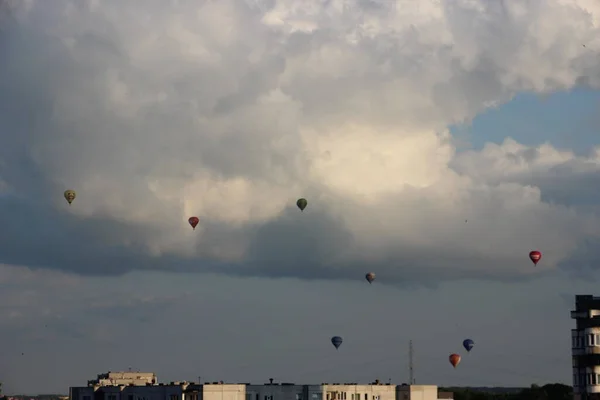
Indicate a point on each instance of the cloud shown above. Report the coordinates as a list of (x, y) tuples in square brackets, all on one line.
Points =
[(203, 324), (31, 297), (231, 111)]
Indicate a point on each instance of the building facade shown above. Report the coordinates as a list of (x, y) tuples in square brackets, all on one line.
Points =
[(585, 348), (102, 389)]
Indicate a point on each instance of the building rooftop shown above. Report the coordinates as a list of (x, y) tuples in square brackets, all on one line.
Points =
[(111, 378)]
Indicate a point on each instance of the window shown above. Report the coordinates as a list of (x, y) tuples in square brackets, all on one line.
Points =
[(130, 397), (328, 396), (298, 396), (192, 396), (257, 396), (366, 396), (316, 396), (173, 397), (87, 397), (248, 396), (112, 397)]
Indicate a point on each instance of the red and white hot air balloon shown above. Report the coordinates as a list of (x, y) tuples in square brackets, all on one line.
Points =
[(535, 256), (370, 277), (193, 222)]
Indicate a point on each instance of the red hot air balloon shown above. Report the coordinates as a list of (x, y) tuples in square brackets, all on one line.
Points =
[(193, 222), (454, 359), (535, 256)]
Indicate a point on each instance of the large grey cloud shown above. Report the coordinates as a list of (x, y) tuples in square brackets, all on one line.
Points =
[(232, 110), (231, 328)]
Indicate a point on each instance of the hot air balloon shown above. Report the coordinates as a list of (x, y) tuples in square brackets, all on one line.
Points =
[(454, 359), (70, 196), (535, 256), (468, 344), (370, 277), (336, 341), (302, 203), (193, 222)]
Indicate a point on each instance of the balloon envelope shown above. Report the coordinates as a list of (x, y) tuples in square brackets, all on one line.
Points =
[(454, 359), (468, 344), (370, 277), (193, 222), (336, 341), (302, 203), (70, 196), (535, 256)]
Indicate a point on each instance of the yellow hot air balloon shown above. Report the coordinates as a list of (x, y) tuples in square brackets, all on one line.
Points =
[(70, 195)]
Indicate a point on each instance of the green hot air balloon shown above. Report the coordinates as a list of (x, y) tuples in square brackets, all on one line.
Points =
[(302, 203)]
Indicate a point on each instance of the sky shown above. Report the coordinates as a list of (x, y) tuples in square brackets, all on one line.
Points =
[(437, 144)]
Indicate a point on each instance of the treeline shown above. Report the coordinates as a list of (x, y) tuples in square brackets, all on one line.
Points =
[(552, 391)]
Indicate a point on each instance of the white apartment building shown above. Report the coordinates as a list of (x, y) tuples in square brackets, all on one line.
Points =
[(101, 389), (585, 348)]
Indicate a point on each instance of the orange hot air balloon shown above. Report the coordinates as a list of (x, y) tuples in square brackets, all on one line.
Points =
[(454, 359), (193, 222), (535, 256)]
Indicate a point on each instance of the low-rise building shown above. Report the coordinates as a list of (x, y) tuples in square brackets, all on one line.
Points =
[(124, 378), (150, 390)]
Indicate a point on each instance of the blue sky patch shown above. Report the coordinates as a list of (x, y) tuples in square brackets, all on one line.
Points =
[(568, 120)]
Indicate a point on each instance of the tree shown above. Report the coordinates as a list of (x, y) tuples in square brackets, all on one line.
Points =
[(553, 391)]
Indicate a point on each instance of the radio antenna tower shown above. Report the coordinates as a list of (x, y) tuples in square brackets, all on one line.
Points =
[(410, 363)]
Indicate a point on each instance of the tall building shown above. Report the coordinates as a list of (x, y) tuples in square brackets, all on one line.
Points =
[(585, 348), (100, 389)]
